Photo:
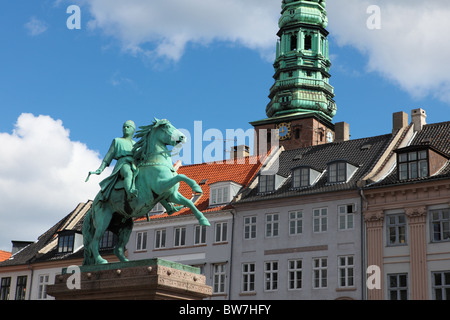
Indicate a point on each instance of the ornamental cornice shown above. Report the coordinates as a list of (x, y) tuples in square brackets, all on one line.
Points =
[(414, 212), (374, 216)]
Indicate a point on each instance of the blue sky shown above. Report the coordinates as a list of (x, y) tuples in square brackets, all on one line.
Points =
[(186, 65)]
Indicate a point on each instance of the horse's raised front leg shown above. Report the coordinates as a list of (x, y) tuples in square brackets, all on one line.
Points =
[(169, 183), (179, 199)]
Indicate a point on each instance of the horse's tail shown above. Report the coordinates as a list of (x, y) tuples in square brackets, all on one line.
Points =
[(88, 234)]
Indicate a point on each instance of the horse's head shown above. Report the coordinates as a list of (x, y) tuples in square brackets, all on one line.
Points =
[(166, 133), (161, 133)]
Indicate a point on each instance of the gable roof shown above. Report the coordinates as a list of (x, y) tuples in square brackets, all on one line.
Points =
[(435, 136), (240, 171), (362, 153), (46, 246)]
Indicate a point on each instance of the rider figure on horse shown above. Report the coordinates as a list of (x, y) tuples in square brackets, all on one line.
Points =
[(120, 150)]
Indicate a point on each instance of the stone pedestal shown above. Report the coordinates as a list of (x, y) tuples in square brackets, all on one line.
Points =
[(153, 279)]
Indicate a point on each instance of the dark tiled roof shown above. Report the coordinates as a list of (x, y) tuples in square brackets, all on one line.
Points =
[(361, 153)]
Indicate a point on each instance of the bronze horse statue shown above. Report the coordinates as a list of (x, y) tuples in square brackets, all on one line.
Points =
[(155, 180)]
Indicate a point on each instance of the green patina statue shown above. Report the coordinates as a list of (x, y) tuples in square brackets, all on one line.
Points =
[(143, 176)]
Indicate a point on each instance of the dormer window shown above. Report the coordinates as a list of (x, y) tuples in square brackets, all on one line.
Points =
[(416, 162), (412, 165), (223, 192), (266, 183), (340, 171), (69, 241), (304, 177)]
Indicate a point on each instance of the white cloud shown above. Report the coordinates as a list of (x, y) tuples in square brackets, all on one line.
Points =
[(410, 49), (42, 177), (36, 27), (162, 29)]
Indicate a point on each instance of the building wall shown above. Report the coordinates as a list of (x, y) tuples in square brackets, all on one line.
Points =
[(420, 256), (205, 256), (306, 246)]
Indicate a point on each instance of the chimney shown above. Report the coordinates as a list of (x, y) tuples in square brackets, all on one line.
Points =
[(418, 118), (240, 152), (399, 120), (341, 132), (19, 245)]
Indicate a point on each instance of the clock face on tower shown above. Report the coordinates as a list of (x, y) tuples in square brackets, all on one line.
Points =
[(284, 130)]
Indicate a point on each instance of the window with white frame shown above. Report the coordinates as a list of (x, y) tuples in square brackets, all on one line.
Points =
[(300, 177), (441, 285), (200, 235), (141, 241), (440, 224), (346, 216), (337, 172), (250, 227), (42, 289), (221, 232), (295, 274), (346, 271), (295, 222), (272, 225), (160, 239), (219, 276), (180, 237), (271, 276), (220, 195), (248, 277), (396, 229), (320, 273), (320, 220), (398, 286)]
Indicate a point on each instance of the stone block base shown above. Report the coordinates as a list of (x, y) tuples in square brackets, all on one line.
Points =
[(153, 279)]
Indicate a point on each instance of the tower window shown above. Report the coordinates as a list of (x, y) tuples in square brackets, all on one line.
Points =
[(308, 42), (293, 42)]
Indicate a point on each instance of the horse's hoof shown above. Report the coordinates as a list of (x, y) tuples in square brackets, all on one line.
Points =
[(204, 222)]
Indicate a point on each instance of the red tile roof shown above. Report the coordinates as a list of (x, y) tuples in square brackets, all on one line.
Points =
[(4, 255), (238, 171)]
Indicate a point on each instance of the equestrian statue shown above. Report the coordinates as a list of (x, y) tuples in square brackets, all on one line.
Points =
[(143, 176)]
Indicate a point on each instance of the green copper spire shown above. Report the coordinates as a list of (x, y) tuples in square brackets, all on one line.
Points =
[(302, 63)]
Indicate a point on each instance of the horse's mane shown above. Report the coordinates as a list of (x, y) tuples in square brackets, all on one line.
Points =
[(141, 148)]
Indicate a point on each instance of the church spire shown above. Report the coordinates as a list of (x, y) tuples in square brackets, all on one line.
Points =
[(302, 63)]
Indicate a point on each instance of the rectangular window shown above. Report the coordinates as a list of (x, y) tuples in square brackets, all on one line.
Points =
[(295, 274), (108, 240), (295, 222), (320, 220), (5, 287), (141, 241), (346, 216), (266, 183), (250, 228), (65, 243), (320, 273), (337, 172), (200, 235), (441, 285), (221, 232), (271, 276), (440, 224), (248, 277), (413, 165), (219, 275), (21, 288), (160, 239), (396, 229), (43, 282), (301, 178), (220, 195), (346, 270), (272, 225), (398, 286), (180, 237)]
